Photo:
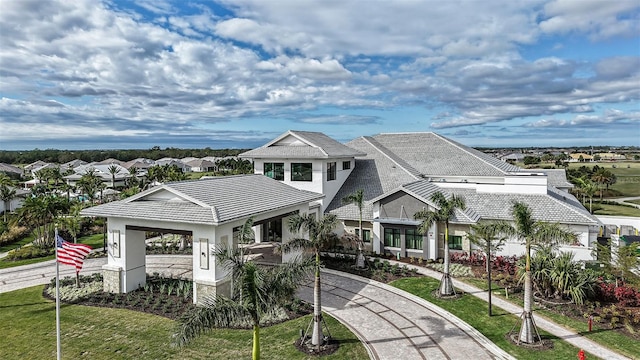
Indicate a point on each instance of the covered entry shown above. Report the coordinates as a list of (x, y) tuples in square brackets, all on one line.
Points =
[(209, 210)]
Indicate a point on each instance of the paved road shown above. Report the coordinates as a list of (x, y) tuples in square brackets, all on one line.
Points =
[(396, 325), (625, 200)]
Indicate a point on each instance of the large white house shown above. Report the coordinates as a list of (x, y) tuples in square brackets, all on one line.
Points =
[(399, 172), (310, 173)]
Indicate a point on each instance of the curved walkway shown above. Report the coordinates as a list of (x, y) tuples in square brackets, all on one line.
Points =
[(396, 325), (391, 323)]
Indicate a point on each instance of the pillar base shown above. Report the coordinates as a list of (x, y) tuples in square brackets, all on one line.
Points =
[(208, 290), (112, 279)]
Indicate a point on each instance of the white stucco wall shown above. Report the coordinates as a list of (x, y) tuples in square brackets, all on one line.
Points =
[(620, 221)]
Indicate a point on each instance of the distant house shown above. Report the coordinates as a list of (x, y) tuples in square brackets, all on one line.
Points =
[(10, 170), (102, 171), (171, 162), (110, 161), (512, 157), (139, 164), (34, 165), (609, 156), (201, 165), (70, 165), (15, 202), (580, 157)]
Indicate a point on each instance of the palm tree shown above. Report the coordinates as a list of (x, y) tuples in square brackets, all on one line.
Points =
[(320, 235), (534, 232), (490, 236), (444, 210), (90, 183), (603, 177), (587, 188), (113, 170), (357, 198), (258, 292), (6, 195)]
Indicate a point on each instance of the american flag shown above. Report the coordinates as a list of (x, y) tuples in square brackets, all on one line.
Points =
[(71, 254)]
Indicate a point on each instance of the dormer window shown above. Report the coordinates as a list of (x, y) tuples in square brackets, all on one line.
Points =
[(301, 172), (274, 170), (331, 171)]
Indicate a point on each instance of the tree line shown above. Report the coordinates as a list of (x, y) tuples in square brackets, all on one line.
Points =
[(154, 153)]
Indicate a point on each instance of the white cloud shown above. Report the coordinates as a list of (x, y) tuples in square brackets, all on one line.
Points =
[(601, 19)]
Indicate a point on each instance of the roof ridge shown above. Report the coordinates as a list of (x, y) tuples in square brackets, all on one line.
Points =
[(467, 150), (395, 158), (573, 208)]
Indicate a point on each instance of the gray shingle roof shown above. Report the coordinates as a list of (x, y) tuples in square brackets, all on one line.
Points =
[(396, 161), (310, 145), (209, 201), (556, 177), (423, 190), (545, 207), (376, 175), (435, 155)]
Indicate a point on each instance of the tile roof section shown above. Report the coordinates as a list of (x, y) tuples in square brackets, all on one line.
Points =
[(318, 146), (555, 177), (424, 190), (376, 175), (435, 155), (497, 206), (209, 201)]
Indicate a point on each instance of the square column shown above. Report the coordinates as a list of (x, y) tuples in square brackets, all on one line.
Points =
[(125, 270)]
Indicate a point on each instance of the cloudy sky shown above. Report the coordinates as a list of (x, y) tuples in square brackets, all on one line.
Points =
[(90, 74)]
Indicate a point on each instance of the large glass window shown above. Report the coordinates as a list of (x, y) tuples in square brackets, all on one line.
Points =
[(413, 239), (346, 165), (274, 170), (455, 242), (301, 172), (392, 237), (331, 171), (366, 235)]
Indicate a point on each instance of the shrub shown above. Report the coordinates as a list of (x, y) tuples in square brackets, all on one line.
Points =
[(13, 234), (29, 252)]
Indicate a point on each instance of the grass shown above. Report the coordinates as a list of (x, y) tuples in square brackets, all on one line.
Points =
[(9, 247), (473, 311), (95, 241), (103, 333), (605, 337), (617, 210)]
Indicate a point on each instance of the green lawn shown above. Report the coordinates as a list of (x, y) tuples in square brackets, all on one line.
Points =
[(95, 241), (473, 311), (601, 335), (618, 210), (103, 333), (9, 247)]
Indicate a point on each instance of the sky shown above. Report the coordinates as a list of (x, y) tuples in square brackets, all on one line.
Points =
[(91, 74)]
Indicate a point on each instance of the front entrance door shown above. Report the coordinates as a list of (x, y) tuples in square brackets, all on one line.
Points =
[(272, 231)]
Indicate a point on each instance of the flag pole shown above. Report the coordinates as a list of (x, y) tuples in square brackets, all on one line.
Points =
[(59, 352)]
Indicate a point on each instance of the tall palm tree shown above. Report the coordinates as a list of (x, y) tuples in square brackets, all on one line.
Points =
[(90, 183), (357, 198), (587, 188), (258, 292), (490, 237), (603, 177), (445, 209), (534, 232), (113, 170), (6, 195), (320, 235)]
